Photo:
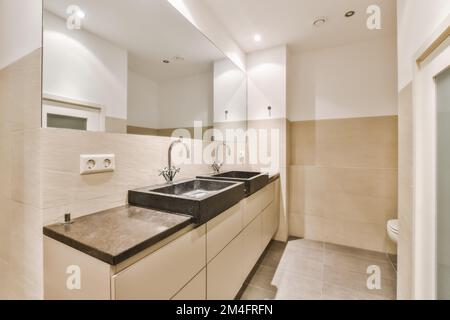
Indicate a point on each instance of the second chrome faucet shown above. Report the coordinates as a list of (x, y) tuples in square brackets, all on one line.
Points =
[(217, 165)]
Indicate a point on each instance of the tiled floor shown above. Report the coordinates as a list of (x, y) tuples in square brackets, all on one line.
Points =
[(308, 270)]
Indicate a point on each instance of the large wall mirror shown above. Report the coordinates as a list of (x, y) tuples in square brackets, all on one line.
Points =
[(136, 67)]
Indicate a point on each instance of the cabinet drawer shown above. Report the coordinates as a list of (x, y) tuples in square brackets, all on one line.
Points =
[(222, 229), (165, 272), (224, 273), (195, 289), (257, 202)]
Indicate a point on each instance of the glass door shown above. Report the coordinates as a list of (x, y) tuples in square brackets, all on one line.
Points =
[(443, 184)]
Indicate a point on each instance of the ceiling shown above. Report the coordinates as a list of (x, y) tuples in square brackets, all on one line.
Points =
[(150, 31), (291, 22)]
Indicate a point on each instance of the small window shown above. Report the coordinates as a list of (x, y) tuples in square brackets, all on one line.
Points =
[(66, 122)]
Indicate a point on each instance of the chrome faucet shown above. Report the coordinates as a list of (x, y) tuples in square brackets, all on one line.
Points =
[(171, 171), (217, 165)]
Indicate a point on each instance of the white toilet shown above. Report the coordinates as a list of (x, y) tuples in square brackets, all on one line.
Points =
[(393, 229)]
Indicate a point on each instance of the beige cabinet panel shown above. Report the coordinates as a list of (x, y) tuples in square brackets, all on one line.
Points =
[(165, 272), (252, 245), (257, 202), (222, 229), (225, 274), (64, 265), (195, 289), (269, 224)]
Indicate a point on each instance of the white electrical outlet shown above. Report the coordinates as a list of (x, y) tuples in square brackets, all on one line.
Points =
[(98, 163)]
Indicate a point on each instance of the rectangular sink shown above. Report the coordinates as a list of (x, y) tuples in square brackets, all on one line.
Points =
[(202, 199), (253, 181)]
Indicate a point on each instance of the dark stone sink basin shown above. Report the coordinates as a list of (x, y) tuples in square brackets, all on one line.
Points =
[(253, 181), (202, 199)]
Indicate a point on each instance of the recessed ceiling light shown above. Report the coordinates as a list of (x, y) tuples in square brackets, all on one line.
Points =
[(349, 14), (81, 14), (257, 38), (320, 21), (166, 61)]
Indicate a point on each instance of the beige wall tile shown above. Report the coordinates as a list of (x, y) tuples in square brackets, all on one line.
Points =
[(357, 181), (20, 94), (297, 189), (25, 184), (115, 125), (20, 216), (5, 164), (303, 143), (142, 131), (138, 161), (296, 224), (343, 177)]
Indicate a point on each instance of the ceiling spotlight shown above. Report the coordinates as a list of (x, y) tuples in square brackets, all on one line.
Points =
[(81, 14), (166, 61), (257, 38), (350, 14), (320, 21)]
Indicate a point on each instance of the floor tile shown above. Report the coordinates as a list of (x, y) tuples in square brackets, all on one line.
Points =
[(304, 252), (291, 286), (310, 270), (333, 292), (302, 266), (354, 251), (358, 282), (358, 264), (262, 278), (254, 293)]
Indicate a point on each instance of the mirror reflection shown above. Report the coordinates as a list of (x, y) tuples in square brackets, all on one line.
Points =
[(136, 67)]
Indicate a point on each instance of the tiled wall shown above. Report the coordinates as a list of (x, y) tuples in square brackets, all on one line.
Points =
[(405, 192), (20, 213), (343, 180), (138, 161)]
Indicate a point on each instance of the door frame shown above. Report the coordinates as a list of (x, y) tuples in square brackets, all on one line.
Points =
[(430, 61)]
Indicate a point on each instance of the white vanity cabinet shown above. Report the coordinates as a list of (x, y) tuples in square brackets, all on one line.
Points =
[(208, 262), (226, 272), (161, 274)]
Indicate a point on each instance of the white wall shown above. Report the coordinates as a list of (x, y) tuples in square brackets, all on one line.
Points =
[(200, 16), (230, 92), (416, 22), (185, 100), (82, 66), (267, 82), (356, 80), (143, 101), (19, 31)]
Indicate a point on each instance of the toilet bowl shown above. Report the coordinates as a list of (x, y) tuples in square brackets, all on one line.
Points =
[(393, 229)]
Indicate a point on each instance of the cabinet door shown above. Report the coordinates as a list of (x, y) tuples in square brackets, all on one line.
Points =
[(269, 224), (224, 273), (94, 275), (252, 245), (222, 229), (165, 272), (257, 202), (195, 289)]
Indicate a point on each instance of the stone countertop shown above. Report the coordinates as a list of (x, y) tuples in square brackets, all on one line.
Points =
[(115, 235), (273, 177)]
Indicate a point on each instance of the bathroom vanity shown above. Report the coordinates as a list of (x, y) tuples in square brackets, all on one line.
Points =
[(139, 253)]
